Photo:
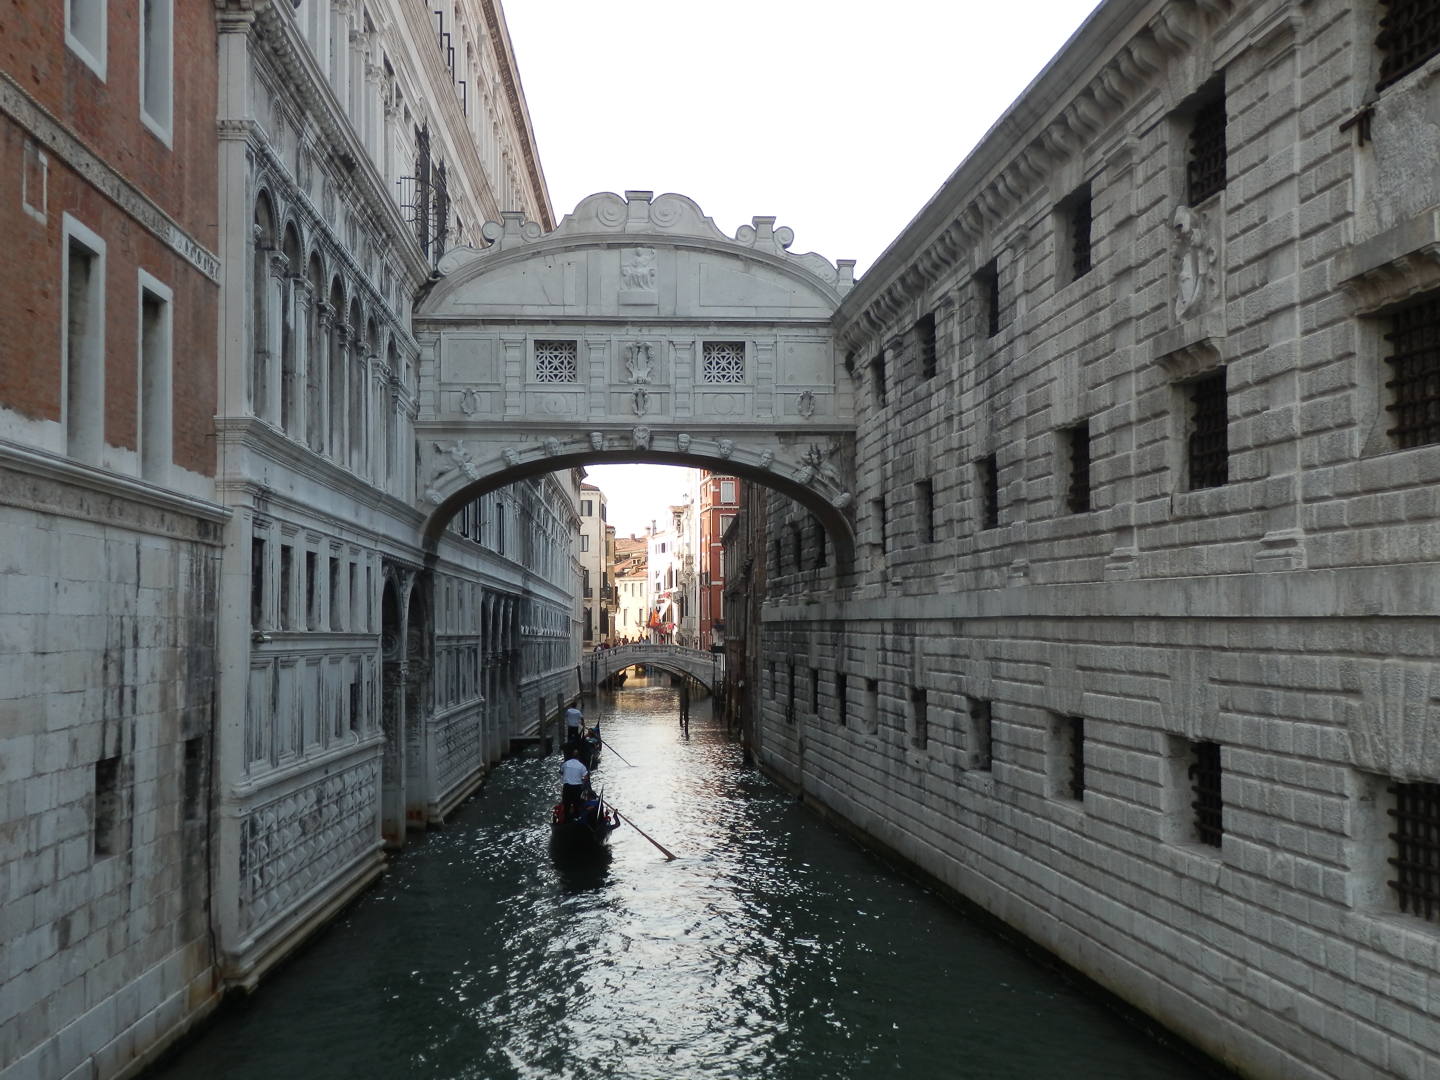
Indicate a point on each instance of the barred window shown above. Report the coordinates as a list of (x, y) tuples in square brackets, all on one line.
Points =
[(925, 511), (978, 734), (987, 287), (1077, 446), (1205, 803), (1068, 748), (925, 345), (722, 362), (1077, 213), (1409, 36), (987, 471), (1416, 852), (1414, 384), (1205, 171), (556, 362), (877, 374), (1207, 447)]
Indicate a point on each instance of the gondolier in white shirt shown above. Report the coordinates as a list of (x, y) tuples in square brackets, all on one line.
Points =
[(574, 721), (573, 774)]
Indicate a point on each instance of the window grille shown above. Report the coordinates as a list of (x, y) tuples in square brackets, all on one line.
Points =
[(877, 375), (1080, 227), (421, 221), (1208, 809), (920, 713), (989, 474), (879, 516), (980, 734), (556, 362), (925, 345), (1077, 498), (841, 697), (1209, 455), (925, 510), (442, 211), (1416, 856), (1414, 363), (1074, 730), (257, 582), (1409, 36), (722, 362), (1206, 171), (987, 282)]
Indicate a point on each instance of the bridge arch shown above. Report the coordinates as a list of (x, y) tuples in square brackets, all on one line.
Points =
[(635, 332)]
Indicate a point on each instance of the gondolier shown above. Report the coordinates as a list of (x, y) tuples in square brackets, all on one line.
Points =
[(573, 775), (574, 722)]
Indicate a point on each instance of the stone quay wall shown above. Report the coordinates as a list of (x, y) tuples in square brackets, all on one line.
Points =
[(1141, 656)]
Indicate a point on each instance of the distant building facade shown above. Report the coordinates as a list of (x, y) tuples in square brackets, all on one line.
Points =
[(719, 503), (595, 542)]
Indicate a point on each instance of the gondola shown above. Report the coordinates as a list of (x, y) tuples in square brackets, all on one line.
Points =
[(589, 832)]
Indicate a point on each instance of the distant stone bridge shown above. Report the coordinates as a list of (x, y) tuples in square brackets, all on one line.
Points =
[(707, 668), (636, 331)]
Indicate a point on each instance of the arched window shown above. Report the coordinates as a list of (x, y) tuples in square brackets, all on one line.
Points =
[(264, 247), (315, 355), (289, 375), (337, 388), (356, 395)]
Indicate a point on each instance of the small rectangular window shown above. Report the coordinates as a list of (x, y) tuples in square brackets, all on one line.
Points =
[(312, 591), (822, 554), (257, 583), (587, 508), (790, 692), (336, 607), (193, 796), (877, 377), (727, 492), (1414, 383), (987, 292), (978, 735), (1076, 213), (156, 66), (1205, 804), (815, 691), (1067, 734), (1076, 444), (83, 336), (1206, 154), (987, 476), (872, 706), (925, 511), (155, 380), (85, 32), (287, 570), (1207, 449), (584, 542), (357, 700), (1409, 36), (919, 718), (879, 522), (925, 345), (842, 702), (109, 808)]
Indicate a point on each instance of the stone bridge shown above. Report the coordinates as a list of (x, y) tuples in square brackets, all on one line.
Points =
[(635, 331), (704, 667)]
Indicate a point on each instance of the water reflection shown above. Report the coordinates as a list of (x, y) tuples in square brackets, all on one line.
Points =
[(771, 947)]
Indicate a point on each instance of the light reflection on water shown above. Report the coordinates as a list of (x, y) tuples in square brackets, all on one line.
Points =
[(770, 948)]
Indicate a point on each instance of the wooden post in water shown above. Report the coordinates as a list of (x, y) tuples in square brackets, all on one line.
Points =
[(685, 707)]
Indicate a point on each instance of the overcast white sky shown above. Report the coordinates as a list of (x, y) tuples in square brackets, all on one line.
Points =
[(841, 119)]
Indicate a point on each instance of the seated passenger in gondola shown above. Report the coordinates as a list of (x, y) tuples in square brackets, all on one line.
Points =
[(573, 775)]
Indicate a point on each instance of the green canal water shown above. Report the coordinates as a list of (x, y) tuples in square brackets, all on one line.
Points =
[(772, 948)]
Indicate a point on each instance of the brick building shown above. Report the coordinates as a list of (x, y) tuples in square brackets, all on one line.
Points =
[(719, 503), (109, 529)]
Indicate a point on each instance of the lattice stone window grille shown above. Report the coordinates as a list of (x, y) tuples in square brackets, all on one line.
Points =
[(722, 362), (1206, 804), (556, 362), (1416, 852), (1414, 360), (1079, 218), (1409, 36), (1072, 733)]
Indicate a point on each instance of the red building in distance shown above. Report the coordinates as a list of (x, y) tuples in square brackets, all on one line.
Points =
[(719, 503)]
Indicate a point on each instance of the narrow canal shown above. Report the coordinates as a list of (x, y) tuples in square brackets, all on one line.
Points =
[(771, 948)]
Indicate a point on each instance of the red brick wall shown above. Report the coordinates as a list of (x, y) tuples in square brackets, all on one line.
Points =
[(105, 116)]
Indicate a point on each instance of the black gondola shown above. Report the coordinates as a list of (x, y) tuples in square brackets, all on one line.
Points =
[(588, 749), (589, 830)]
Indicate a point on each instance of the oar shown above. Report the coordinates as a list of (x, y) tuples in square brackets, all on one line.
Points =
[(663, 850), (617, 753)]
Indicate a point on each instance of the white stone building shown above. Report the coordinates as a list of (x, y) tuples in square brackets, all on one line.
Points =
[(367, 673), (1141, 652), (595, 589)]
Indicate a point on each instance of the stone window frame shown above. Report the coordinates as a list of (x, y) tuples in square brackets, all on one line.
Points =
[(919, 702), (1069, 212), (1066, 742), (1378, 79), (927, 345), (989, 300), (879, 378), (1202, 357), (1210, 94), (987, 492), (87, 32), (1066, 440), (926, 520), (979, 734), (82, 356)]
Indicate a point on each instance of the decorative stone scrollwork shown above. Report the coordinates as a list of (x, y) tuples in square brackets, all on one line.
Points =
[(639, 362), (806, 405), (640, 401), (455, 458), (640, 438), (1194, 258), (469, 402)]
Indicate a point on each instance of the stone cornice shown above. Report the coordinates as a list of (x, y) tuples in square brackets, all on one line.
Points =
[(55, 137), (1107, 65)]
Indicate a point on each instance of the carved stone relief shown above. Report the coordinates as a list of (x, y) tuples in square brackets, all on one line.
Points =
[(639, 362), (1194, 258)]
